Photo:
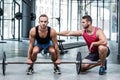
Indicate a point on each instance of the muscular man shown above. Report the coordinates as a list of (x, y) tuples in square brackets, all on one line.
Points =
[(96, 42), (43, 37)]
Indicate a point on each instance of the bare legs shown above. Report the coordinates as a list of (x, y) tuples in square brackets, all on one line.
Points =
[(36, 51), (103, 50), (34, 55), (53, 55)]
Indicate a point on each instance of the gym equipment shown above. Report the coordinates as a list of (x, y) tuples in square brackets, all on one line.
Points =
[(78, 62), (33, 16), (1, 11), (64, 47), (19, 16), (4, 62), (60, 45), (62, 51)]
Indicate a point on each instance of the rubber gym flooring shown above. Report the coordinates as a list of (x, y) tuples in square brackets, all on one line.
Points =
[(17, 51)]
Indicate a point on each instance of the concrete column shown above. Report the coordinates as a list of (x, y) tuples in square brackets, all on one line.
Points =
[(33, 11), (28, 7)]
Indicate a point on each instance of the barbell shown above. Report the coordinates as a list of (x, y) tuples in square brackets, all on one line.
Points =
[(19, 15), (78, 63)]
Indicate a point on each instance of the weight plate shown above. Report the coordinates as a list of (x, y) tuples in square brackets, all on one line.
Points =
[(3, 63), (1, 11), (78, 64), (18, 15)]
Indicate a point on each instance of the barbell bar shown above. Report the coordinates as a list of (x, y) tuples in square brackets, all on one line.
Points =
[(78, 62), (63, 62)]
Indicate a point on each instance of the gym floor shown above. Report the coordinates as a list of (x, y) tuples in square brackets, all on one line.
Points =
[(17, 51)]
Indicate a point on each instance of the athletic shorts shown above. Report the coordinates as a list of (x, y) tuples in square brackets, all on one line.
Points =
[(43, 46), (95, 56)]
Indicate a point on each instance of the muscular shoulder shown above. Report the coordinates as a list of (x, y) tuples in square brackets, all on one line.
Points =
[(99, 31), (53, 32), (32, 31)]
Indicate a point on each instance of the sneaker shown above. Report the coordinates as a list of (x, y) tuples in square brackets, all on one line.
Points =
[(29, 70), (102, 70), (106, 64), (57, 70)]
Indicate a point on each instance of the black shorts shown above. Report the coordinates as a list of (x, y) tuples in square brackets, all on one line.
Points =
[(95, 56)]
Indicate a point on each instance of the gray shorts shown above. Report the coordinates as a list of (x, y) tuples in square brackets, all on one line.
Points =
[(43, 46), (95, 56)]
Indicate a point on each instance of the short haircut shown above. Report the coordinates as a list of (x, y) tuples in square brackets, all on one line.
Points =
[(87, 17), (43, 15)]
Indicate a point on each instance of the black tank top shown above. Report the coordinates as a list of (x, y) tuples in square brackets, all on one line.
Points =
[(43, 40)]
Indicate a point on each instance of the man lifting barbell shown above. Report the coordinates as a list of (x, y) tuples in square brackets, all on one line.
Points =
[(96, 42), (43, 37)]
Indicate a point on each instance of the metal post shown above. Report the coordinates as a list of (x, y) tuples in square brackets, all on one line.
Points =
[(14, 22), (59, 16), (117, 22), (70, 15), (103, 13), (110, 21), (97, 12), (2, 36), (119, 30), (18, 20), (79, 3)]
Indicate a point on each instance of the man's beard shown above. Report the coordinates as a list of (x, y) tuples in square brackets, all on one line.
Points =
[(86, 27)]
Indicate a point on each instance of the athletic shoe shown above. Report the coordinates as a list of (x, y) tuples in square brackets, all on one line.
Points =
[(102, 70), (57, 70), (29, 70)]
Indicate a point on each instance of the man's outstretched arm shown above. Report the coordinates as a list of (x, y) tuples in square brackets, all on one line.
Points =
[(70, 33)]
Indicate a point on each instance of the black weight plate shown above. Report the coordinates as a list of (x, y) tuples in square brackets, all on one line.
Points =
[(18, 15), (1, 11), (3, 63), (33, 16), (79, 60)]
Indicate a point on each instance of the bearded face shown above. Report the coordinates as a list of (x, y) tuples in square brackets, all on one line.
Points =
[(85, 23)]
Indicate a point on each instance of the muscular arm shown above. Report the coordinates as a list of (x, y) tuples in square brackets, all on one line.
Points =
[(102, 38), (70, 33), (54, 40), (31, 43)]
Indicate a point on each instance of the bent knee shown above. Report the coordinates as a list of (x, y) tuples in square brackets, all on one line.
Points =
[(51, 50), (84, 67), (35, 51), (103, 49)]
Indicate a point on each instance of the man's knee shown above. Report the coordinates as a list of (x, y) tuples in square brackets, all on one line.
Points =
[(102, 49), (35, 51), (84, 67), (51, 50)]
